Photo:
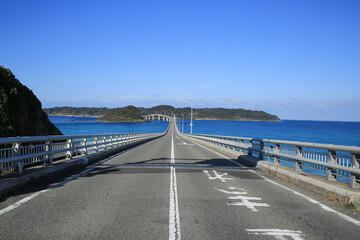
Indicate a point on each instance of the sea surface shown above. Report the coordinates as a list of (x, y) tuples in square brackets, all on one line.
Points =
[(328, 132)]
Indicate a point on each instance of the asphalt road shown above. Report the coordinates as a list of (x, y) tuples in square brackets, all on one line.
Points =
[(171, 188)]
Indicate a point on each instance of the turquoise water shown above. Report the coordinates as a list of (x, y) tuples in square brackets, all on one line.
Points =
[(340, 133)]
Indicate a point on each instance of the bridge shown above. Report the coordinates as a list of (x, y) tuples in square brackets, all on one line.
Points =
[(172, 185), (157, 117)]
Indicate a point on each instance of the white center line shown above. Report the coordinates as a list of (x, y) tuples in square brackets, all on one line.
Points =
[(174, 220)]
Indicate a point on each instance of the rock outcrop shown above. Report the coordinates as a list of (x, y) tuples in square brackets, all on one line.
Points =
[(21, 113)]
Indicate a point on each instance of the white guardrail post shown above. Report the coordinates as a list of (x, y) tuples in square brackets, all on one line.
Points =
[(354, 180), (48, 149), (331, 172), (299, 154), (16, 152), (68, 146), (276, 150), (96, 144), (85, 149)]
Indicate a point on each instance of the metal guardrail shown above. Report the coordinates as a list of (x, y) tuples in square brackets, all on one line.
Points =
[(17, 152), (335, 162)]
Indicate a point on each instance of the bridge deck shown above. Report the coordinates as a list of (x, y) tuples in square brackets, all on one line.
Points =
[(171, 188)]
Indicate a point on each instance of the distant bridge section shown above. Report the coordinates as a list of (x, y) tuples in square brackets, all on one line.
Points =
[(159, 117)]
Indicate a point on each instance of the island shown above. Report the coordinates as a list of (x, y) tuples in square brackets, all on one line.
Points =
[(238, 114), (126, 114)]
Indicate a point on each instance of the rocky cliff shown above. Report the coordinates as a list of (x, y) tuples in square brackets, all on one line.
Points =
[(21, 113)]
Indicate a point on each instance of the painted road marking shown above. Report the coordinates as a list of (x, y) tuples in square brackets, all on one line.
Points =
[(246, 203), (324, 207), (243, 192), (244, 200), (24, 200), (217, 176), (174, 219), (279, 234), (185, 144)]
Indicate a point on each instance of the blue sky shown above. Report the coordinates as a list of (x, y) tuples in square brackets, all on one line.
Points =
[(295, 59)]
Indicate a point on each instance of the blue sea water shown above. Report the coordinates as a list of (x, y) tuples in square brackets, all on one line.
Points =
[(89, 125), (328, 132)]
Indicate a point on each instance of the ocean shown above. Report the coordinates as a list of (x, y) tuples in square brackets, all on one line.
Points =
[(328, 132)]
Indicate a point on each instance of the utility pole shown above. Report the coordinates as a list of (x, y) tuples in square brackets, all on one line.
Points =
[(182, 115), (191, 123)]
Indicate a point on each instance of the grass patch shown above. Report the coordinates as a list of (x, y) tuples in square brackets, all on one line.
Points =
[(351, 206)]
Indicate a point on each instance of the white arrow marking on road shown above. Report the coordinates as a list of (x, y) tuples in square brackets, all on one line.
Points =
[(243, 192), (184, 143), (244, 200), (246, 203), (279, 234), (217, 176)]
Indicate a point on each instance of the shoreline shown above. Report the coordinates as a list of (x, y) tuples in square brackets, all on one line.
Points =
[(122, 121), (68, 115), (97, 117), (207, 119), (238, 120)]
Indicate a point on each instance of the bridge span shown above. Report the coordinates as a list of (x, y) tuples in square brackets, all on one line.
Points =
[(160, 117), (172, 188)]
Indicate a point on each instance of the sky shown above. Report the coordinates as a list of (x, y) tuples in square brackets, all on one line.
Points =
[(295, 59)]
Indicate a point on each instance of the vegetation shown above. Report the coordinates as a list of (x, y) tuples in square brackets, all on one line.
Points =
[(21, 113), (126, 114), (78, 111), (351, 206), (199, 113), (233, 114)]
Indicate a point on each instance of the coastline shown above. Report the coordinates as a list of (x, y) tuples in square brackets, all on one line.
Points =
[(122, 121), (65, 115), (69, 115), (239, 120), (208, 119)]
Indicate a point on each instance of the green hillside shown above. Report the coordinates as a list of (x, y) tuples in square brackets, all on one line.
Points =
[(126, 114), (198, 113)]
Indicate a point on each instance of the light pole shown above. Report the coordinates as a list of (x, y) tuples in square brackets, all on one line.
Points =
[(191, 123), (182, 115)]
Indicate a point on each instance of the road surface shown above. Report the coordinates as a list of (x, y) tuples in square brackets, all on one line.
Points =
[(172, 188)]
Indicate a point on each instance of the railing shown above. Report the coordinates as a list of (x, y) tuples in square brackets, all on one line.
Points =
[(15, 153), (335, 162)]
